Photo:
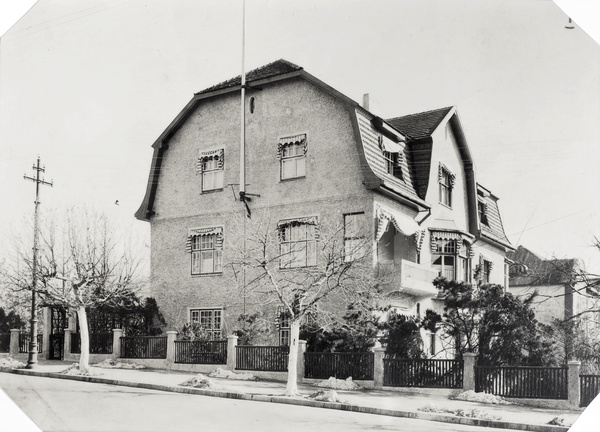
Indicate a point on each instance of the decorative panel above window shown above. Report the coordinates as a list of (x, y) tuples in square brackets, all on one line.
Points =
[(206, 247), (291, 151), (210, 166)]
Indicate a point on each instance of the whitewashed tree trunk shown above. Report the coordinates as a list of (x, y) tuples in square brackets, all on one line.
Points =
[(291, 388), (84, 335)]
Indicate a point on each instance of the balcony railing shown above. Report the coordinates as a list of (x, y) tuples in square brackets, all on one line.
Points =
[(408, 277)]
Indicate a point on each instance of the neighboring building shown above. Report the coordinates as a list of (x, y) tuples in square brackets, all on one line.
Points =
[(561, 290), (315, 157)]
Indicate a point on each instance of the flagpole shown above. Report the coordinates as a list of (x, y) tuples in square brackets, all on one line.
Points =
[(242, 110)]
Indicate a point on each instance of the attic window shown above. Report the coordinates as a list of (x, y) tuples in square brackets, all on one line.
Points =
[(392, 155), (482, 211), (292, 154), (210, 166), (446, 182)]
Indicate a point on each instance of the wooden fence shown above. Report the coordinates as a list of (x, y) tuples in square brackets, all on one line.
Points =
[(201, 352), (589, 388), (262, 358), (359, 366), (100, 343), (426, 373), (4, 342), (24, 342), (523, 381), (148, 347)]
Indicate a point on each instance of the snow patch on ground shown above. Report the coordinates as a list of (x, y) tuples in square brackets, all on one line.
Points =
[(113, 364), (471, 396), (74, 370), (326, 396), (200, 381), (11, 363), (223, 373), (472, 413), (339, 384)]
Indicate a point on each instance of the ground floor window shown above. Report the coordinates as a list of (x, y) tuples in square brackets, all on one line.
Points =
[(209, 319), (283, 325)]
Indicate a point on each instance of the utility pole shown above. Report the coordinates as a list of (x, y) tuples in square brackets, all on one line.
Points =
[(33, 346)]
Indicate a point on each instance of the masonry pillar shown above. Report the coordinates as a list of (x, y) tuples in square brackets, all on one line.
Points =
[(171, 336), (232, 341), (46, 329), (67, 343), (301, 351), (378, 368), (14, 342), (574, 391), (469, 360), (117, 333)]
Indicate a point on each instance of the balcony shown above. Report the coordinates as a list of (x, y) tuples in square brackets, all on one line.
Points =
[(407, 277)]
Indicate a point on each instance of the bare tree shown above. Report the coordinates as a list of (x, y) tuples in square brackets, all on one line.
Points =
[(83, 263), (310, 270)]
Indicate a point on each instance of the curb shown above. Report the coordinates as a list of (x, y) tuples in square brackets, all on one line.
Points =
[(300, 402)]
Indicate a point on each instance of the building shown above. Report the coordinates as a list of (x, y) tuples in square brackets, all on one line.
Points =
[(562, 291), (314, 157)]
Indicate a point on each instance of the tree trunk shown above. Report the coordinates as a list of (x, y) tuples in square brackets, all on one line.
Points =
[(291, 388), (84, 357)]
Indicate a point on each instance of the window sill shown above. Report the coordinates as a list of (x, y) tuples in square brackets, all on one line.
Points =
[(195, 275), (445, 205), (209, 191), (297, 268), (292, 178)]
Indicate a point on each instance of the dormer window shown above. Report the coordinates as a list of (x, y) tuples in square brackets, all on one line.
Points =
[(446, 184), (392, 155), (482, 211)]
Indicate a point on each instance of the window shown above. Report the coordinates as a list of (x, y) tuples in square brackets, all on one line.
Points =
[(292, 153), (432, 347), (354, 236), (283, 323), (209, 319), (211, 166), (450, 259), (482, 211), (486, 269), (205, 246), (392, 162), (298, 243), (446, 183)]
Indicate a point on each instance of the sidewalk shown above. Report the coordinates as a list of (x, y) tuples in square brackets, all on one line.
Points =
[(399, 404)]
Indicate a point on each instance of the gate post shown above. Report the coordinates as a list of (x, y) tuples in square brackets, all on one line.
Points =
[(171, 336), (67, 343), (46, 330), (14, 342), (301, 351), (117, 333), (232, 341), (378, 368), (574, 390), (469, 371)]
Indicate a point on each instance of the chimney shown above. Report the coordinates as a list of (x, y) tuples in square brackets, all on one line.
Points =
[(365, 103)]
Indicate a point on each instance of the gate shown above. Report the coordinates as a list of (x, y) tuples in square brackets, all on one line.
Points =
[(58, 324)]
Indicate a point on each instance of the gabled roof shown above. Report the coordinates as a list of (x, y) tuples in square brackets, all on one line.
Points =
[(531, 270), (420, 125), (270, 70)]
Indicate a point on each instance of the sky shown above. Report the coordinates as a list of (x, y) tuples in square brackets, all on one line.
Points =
[(89, 85)]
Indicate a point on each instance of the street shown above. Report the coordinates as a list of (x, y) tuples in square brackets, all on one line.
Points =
[(63, 405)]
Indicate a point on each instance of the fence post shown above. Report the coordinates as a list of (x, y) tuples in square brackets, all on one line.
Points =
[(232, 341), (301, 351), (67, 342), (378, 370), (171, 336), (14, 342), (469, 360), (574, 390), (46, 328), (117, 333)]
